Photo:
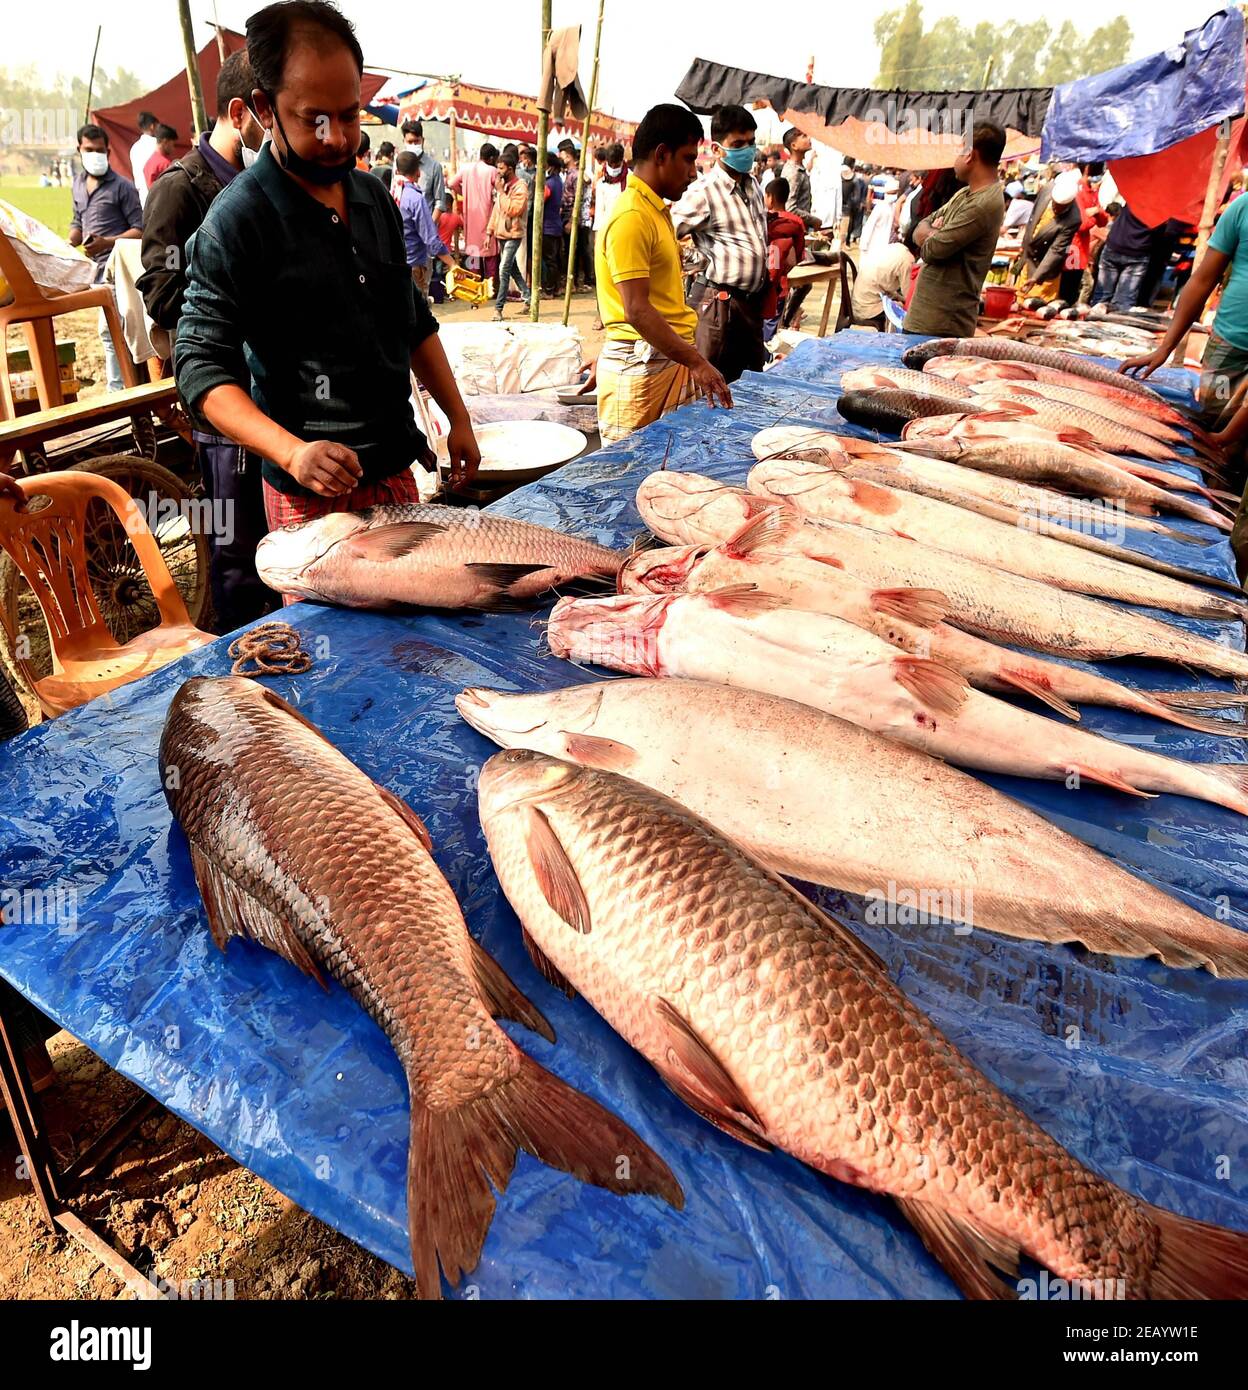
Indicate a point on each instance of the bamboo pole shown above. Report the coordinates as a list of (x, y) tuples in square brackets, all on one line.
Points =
[(454, 151), (192, 68), (580, 171), (1205, 229), (543, 131), (91, 80)]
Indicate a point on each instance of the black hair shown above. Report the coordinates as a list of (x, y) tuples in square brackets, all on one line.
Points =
[(489, 153), (731, 120), (988, 141), (527, 149), (447, 203), (234, 80), (552, 162), (615, 153), (789, 136), (365, 145), (600, 154), (668, 125), (412, 128), (145, 119), (166, 132), (779, 187), (849, 162), (385, 150), (566, 145), (509, 157), (92, 132), (271, 30), (511, 148), (407, 163)]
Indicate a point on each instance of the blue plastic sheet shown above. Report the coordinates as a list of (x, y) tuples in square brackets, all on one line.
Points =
[(1153, 103), (1139, 1070)]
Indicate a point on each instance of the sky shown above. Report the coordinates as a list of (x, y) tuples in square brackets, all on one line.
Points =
[(647, 44)]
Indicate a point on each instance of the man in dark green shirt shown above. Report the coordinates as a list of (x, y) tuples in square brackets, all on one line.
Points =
[(298, 286), (956, 245)]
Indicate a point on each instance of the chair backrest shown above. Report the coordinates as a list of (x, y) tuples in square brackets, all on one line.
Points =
[(845, 310), (13, 269), (49, 547)]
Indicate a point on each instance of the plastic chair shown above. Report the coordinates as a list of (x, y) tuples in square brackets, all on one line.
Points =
[(35, 311), (49, 547)]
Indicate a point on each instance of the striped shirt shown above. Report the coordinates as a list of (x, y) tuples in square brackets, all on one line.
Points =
[(728, 222)]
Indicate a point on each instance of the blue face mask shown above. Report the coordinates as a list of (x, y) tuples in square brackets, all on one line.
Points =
[(740, 160)]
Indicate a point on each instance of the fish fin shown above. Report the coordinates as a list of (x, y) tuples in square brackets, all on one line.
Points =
[(545, 967), (700, 1079), (1199, 699), (1108, 779), (593, 751), (940, 688), (502, 575), (405, 812), (1234, 776), (271, 697), (922, 607), (1033, 688), (460, 1155), (879, 501), (744, 600), (555, 875), (766, 530), (1196, 1260), (502, 997), (967, 1250), (829, 560), (232, 911), (394, 541)]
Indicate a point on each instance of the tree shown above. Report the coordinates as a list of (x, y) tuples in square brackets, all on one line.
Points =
[(951, 57)]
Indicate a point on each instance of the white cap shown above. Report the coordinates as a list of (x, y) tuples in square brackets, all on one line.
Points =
[(1014, 190), (1066, 186)]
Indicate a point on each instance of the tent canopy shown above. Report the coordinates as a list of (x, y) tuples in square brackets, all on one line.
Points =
[(903, 130), (505, 115), (171, 103), (1155, 120)]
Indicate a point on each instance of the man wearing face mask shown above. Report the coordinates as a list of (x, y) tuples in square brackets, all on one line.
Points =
[(176, 207), (106, 209), (725, 215), (432, 180), (299, 286)]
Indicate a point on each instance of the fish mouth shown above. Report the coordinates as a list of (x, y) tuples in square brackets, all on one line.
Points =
[(619, 632), (486, 711), (517, 777)]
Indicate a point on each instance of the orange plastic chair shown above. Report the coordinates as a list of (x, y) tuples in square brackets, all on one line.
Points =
[(48, 546)]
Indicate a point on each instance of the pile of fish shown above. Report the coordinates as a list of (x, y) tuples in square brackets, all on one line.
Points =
[(807, 661), (426, 555)]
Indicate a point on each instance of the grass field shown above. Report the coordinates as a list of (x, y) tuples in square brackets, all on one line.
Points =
[(50, 205)]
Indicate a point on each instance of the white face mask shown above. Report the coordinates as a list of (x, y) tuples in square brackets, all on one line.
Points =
[(615, 170), (416, 147), (95, 162), (247, 154)]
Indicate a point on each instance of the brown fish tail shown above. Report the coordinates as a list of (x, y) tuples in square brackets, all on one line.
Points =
[(1196, 1260), (460, 1157)]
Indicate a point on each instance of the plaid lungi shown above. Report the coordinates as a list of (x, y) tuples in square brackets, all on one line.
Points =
[(284, 508), (637, 384)]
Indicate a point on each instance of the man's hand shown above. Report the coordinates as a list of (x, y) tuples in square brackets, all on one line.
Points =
[(1147, 364), (711, 384), (95, 242), (325, 468), (465, 453), (591, 380)]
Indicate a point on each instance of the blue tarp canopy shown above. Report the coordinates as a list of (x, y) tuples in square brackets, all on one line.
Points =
[(1137, 1069), (1149, 105)]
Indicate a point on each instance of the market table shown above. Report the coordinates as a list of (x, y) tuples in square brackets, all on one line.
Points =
[(1140, 1070)]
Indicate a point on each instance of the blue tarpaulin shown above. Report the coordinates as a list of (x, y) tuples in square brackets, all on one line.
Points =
[(1138, 1069), (1153, 103)]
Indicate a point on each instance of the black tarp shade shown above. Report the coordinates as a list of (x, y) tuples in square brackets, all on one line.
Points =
[(903, 130)]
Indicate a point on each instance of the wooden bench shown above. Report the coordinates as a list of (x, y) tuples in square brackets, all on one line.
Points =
[(31, 432)]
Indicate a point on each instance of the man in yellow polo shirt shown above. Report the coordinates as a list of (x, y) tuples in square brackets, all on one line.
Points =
[(648, 364)]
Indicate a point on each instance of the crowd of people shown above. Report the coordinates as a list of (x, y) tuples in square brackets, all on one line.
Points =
[(296, 299)]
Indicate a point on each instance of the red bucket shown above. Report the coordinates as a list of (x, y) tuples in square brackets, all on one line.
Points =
[(998, 301)]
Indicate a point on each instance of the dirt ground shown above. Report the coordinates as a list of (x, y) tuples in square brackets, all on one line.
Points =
[(173, 1203)]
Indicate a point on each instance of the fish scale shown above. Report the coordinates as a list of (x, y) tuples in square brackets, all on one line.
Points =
[(814, 1042)]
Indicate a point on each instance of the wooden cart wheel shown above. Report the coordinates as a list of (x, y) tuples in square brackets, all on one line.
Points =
[(121, 588)]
